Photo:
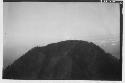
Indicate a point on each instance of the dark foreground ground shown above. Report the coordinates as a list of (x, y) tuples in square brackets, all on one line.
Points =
[(66, 60)]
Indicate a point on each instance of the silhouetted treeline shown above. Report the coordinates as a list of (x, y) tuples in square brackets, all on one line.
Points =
[(68, 60)]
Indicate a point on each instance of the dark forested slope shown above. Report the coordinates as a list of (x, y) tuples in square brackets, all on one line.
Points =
[(71, 60)]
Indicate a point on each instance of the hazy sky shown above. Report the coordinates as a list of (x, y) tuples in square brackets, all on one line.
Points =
[(27, 24)]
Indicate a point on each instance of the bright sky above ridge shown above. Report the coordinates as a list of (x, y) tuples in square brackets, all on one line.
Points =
[(36, 22)]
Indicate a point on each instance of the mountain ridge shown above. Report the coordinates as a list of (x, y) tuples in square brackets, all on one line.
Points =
[(71, 59)]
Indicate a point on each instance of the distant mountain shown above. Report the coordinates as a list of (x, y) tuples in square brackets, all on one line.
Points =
[(65, 60)]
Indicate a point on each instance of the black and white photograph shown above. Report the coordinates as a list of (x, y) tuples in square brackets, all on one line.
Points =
[(62, 41)]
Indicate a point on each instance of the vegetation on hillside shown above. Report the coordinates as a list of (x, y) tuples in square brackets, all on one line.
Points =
[(71, 60)]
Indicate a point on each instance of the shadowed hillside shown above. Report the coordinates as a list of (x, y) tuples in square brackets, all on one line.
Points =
[(71, 60)]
